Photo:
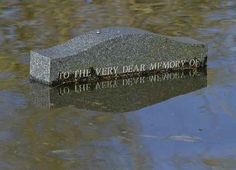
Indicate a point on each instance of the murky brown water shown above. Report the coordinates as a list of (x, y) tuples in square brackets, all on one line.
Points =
[(186, 123)]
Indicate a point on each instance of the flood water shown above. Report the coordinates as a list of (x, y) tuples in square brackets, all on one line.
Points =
[(187, 123)]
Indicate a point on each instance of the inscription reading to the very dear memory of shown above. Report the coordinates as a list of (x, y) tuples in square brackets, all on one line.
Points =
[(114, 70)]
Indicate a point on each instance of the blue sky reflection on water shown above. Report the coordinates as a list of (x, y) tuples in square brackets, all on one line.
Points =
[(188, 129)]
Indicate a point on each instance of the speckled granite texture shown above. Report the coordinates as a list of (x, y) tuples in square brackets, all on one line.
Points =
[(112, 47)]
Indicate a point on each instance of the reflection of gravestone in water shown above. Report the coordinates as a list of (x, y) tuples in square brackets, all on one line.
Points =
[(120, 95), (115, 51)]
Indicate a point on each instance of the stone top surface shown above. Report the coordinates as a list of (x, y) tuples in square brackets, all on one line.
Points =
[(90, 39)]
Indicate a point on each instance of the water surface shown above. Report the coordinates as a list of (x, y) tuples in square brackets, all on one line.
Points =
[(190, 128)]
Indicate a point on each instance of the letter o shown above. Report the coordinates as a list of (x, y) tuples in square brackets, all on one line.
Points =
[(172, 64), (66, 75), (192, 62)]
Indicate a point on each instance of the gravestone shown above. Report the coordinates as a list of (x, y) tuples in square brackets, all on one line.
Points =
[(115, 52)]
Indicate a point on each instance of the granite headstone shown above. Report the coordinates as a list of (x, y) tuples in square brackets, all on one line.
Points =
[(115, 52)]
